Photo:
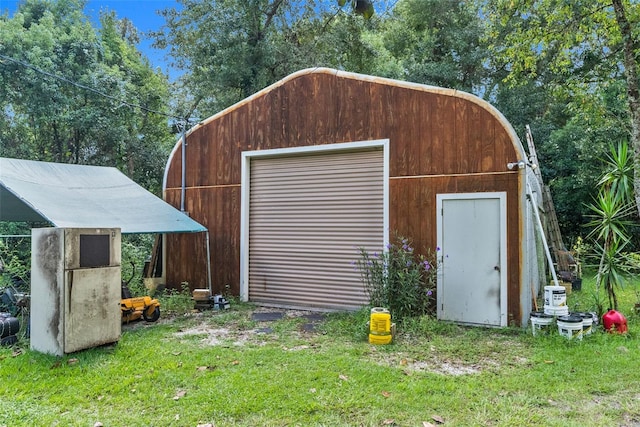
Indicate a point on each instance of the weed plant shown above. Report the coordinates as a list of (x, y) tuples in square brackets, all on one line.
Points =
[(399, 279)]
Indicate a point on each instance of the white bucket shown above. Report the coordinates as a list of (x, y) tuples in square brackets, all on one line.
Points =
[(555, 301), (570, 326), (540, 322), (587, 323)]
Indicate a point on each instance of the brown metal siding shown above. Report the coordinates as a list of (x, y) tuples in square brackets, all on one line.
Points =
[(452, 140), (307, 216)]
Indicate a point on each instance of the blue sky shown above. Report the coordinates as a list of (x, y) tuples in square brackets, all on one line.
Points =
[(143, 14)]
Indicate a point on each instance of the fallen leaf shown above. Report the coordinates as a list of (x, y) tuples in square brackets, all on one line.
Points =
[(72, 361), (17, 352), (205, 425), (98, 424), (386, 394), (177, 353), (100, 397), (343, 377), (205, 368), (179, 394), (548, 362), (312, 390), (438, 419), (427, 424), (235, 362), (388, 422), (56, 365), (403, 362), (177, 417)]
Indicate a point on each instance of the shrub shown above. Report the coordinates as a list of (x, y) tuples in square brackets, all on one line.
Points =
[(399, 279)]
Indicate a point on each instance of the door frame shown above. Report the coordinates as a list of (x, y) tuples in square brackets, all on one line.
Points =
[(501, 196)]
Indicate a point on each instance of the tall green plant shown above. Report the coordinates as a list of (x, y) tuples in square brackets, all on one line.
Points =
[(612, 212), (399, 279)]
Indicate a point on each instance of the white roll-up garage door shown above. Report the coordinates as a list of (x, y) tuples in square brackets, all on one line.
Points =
[(308, 215)]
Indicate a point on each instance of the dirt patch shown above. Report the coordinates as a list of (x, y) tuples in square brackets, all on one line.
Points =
[(240, 333), (216, 336), (235, 334)]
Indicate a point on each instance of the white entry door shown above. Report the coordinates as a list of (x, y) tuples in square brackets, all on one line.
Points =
[(472, 240)]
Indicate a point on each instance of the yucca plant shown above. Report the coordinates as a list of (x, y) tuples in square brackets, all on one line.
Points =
[(613, 211)]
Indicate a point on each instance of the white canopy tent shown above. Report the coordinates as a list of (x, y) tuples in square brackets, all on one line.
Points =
[(80, 196)]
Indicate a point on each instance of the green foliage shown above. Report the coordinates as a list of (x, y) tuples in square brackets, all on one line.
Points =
[(176, 302), (49, 46), (585, 52), (438, 43), (15, 256), (135, 252), (230, 50), (399, 279), (612, 211)]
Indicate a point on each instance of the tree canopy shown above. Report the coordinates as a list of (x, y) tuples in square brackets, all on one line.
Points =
[(76, 94)]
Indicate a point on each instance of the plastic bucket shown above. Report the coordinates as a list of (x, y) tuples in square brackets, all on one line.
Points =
[(570, 326), (380, 326), (555, 301), (540, 322), (587, 323), (9, 325)]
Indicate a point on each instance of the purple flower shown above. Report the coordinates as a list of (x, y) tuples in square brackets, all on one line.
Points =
[(437, 248), (427, 265), (429, 292), (376, 255)]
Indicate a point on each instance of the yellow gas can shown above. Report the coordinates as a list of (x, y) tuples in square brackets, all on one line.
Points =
[(380, 326)]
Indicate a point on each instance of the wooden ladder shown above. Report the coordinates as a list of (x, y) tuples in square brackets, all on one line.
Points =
[(551, 227)]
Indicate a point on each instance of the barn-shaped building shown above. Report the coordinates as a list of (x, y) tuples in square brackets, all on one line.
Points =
[(291, 181)]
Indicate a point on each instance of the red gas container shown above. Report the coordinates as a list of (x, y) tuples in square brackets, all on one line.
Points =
[(614, 322)]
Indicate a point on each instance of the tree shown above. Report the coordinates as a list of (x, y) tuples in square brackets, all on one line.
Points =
[(231, 49), (70, 93), (576, 46), (438, 42)]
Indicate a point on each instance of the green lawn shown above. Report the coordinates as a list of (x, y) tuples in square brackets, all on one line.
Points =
[(222, 369)]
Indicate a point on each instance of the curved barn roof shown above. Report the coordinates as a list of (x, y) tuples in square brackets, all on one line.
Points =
[(454, 93)]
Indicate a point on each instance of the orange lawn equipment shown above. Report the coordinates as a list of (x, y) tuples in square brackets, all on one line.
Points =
[(137, 307), (134, 308)]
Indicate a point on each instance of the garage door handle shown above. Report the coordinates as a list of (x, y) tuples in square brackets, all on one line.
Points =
[(497, 268)]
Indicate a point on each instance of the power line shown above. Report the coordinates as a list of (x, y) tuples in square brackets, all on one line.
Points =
[(89, 88)]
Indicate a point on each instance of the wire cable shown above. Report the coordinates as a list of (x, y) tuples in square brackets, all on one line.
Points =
[(89, 88)]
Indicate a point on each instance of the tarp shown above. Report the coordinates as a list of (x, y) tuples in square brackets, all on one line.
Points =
[(82, 196)]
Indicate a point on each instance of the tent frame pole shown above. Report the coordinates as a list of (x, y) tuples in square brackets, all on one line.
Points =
[(208, 262)]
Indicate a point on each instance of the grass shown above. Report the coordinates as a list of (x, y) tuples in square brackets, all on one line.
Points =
[(214, 368)]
